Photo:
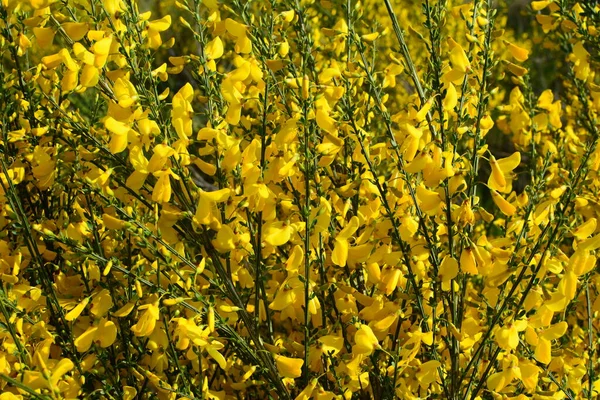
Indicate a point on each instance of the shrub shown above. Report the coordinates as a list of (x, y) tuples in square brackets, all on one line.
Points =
[(298, 199)]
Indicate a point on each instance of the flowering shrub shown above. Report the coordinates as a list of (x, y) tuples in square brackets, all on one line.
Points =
[(295, 199)]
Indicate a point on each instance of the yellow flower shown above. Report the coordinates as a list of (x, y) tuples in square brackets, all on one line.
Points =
[(76, 30), (430, 201), (147, 321), (427, 373), (226, 239), (339, 255), (518, 53), (468, 263), (580, 57), (214, 49), (507, 208), (365, 341), (36, 380), (238, 31), (120, 131), (586, 229), (105, 334), (451, 98), (289, 367), (448, 271), (501, 178), (153, 31), (206, 210), (306, 393), (125, 92), (44, 36), (162, 189), (77, 310), (507, 337), (546, 336)]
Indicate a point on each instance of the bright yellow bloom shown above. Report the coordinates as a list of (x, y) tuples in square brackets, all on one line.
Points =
[(147, 320), (289, 367)]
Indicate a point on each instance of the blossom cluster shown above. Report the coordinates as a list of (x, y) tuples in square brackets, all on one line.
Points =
[(297, 199)]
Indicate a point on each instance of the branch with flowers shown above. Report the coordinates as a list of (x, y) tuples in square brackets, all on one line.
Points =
[(289, 199)]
